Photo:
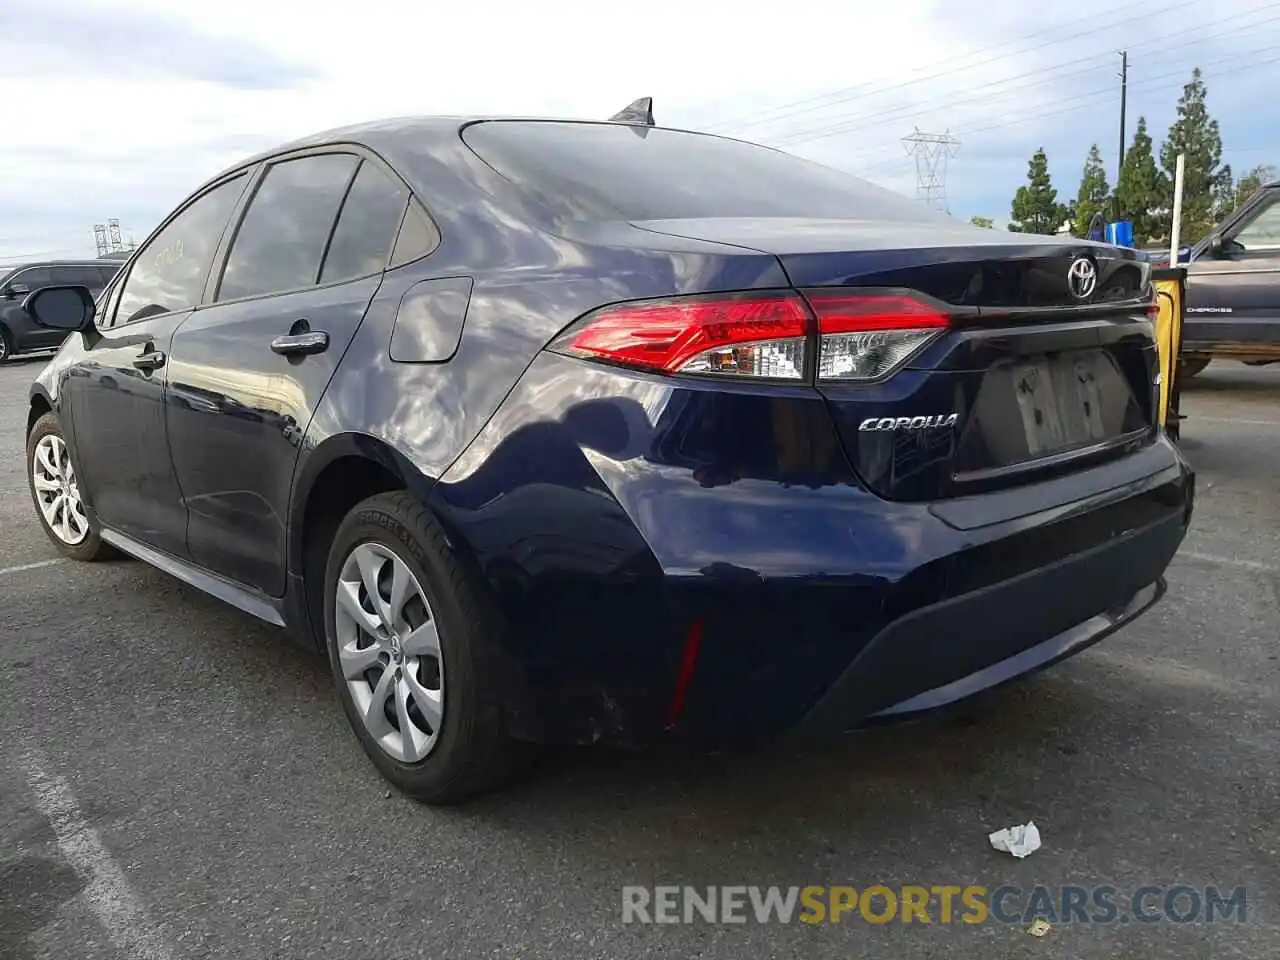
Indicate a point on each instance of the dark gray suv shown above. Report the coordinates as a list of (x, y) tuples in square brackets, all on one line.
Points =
[(18, 332)]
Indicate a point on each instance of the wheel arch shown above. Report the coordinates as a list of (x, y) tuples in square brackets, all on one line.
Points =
[(331, 479), (40, 404)]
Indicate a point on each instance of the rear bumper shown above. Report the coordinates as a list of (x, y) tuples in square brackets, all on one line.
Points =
[(946, 652)]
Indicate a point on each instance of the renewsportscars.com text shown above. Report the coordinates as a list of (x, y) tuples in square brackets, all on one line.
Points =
[(942, 904)]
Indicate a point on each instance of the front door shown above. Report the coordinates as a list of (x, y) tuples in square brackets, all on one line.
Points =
[(116, 390), (1233, 297), (249, 370), (116, 399)]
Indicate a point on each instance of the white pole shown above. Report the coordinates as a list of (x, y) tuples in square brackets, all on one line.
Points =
[(1177, 210)]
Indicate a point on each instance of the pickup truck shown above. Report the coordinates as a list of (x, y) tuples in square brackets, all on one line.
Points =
[(1233, 288)]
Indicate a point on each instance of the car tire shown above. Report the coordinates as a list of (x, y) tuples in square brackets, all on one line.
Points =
[(1188, 367), (73, 533), (6, 344), (461, 730)]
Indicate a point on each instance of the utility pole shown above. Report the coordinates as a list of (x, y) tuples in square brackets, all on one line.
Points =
[(1124, 92)]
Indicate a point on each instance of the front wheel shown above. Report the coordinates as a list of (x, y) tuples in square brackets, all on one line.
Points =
[(55, 491), (411, 654), (6, 344)]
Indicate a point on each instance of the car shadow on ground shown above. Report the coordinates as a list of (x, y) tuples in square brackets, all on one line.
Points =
[(1235, 379)]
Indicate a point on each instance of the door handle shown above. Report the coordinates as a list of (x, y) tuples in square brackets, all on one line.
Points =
[(149, 360), (301, 344)]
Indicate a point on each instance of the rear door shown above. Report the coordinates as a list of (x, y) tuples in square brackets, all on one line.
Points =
[(249, 369), (1233, 298)]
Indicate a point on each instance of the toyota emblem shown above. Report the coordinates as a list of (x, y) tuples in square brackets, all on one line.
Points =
[(1082, 278)]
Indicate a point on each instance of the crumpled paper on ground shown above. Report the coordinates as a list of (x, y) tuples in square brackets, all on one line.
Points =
[(1020, 841)]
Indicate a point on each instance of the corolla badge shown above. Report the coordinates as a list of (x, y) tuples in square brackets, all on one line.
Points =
[(1082, 278), (909, 423)]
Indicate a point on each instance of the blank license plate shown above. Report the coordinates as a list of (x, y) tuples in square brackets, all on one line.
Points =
[(1061, 402)]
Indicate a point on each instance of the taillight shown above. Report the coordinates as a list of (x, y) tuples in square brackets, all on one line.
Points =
[(730, 336), (869, 336), (859, 336)]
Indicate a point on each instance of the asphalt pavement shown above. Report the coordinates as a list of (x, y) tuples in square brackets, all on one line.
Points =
[(177, 781)]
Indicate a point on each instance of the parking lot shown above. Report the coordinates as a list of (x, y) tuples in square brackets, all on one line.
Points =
[(176, 781)]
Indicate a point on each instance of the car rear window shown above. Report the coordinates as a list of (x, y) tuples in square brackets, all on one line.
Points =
[(598, 171)]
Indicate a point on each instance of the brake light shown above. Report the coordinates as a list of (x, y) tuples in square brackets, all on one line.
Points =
[(735, 336), (859, 336), (869, 336)]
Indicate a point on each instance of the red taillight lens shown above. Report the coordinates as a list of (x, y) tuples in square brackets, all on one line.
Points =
[(860, 336), (737, 336), (869, 336)]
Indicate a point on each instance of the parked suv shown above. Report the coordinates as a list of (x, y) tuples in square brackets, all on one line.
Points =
[(18, 332), (559, 431), (1233, 288)]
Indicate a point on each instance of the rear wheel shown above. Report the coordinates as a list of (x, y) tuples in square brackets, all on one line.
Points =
[(1188, 367), (409, 650), (55, 491)]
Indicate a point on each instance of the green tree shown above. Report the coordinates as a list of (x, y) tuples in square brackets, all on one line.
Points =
[(1094, 192), (1251, 182), (1035, 206), (1208, 187), (982, 222), (1140, 192)]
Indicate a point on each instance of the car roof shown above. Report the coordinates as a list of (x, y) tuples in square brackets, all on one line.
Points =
[(72, 262), (388, 136)]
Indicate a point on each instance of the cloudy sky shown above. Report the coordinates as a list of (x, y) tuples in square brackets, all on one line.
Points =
[(117, 108)]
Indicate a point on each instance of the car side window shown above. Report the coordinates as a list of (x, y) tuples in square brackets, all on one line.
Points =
[(1263, 231), (170, 272), (81, 276), (102, 316), (367, 226), (34, 278), (286, 228), (418, 237)]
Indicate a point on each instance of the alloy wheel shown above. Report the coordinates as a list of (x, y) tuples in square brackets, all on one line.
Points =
[(389, 651), (57, 491)]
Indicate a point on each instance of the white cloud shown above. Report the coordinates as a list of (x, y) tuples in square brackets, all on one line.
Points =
[(171, 92)]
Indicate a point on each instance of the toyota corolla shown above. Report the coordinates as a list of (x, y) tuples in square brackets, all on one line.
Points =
[(552, 431)]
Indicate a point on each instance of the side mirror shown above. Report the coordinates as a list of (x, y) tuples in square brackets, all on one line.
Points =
[(1215, 245), (16, 290), (68, 308)]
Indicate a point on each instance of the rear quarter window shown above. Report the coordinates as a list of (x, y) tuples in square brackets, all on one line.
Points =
[(599, 171)]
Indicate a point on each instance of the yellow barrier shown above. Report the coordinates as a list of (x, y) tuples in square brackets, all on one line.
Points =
[(1170, 286)]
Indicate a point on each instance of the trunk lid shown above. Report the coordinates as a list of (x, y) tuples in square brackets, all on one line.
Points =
[(1042, 371)]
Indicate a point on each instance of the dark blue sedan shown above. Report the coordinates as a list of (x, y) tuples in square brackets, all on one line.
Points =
[(552, 431)]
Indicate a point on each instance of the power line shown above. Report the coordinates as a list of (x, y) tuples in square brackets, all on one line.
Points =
[(1245, 62), (848, 93), (1156, 83), (859, 122)]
